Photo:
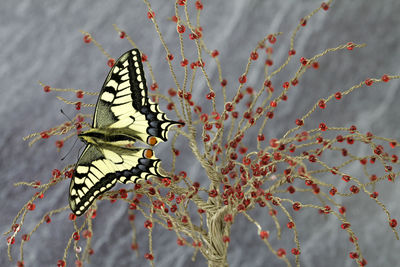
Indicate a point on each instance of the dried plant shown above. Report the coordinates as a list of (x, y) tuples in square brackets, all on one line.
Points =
[(244, 171)]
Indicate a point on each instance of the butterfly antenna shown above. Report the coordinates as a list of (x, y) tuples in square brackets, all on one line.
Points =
[(79, 152), (62, 112), (70, 149)]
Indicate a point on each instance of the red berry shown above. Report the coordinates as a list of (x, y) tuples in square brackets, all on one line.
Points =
[(229, 107), (148, 224), (226, 239), (281, 252), (72, 216), (369, 82), (193, 36), (59, 143), (149, 256), (214, 53), (374, 194), (324, 6), (184, 62), (181, 28), (76, 236), (299, 122), (180, 242), (228, 218), (350, 46), (393, 144), (354, 189), (199, 5), (269, 62), (322, 126), (10, 240), (150, 15), (353, 255), (296, 206), (345, 226), (254, 55), (385, 78), (322, 104), (44, 135), (111, 62), (286, 85), (353, 129), (31, 206), (271, 38), (264, 234), (87, 39), (61, 263), (210, 95), (346, 178), (295, 251), (86, 234), (153, 86), (79, 94)]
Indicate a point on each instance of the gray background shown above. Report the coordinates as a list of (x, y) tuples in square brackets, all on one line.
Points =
[(40, 40)]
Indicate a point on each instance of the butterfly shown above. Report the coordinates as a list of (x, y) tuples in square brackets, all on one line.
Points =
[(124, 114)]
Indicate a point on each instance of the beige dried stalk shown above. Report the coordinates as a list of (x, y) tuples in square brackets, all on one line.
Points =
[(240, 178)]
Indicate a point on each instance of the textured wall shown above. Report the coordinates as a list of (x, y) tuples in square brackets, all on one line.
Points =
[(40, 40)]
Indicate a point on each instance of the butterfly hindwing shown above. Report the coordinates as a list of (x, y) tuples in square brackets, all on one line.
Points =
[(89, 180), (124, 102), (98, 170)]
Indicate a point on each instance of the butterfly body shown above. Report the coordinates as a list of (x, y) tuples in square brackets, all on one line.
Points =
[(109, 137), (124, 115)]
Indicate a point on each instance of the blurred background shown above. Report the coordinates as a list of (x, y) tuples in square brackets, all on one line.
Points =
[(40, 40)]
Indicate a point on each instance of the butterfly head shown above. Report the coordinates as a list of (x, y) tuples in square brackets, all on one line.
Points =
[(90, 136)]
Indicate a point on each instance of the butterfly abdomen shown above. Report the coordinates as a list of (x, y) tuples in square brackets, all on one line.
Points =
[(107, 136)]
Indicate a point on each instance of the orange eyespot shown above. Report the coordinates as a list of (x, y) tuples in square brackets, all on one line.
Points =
[(148, 153), (152, 140)]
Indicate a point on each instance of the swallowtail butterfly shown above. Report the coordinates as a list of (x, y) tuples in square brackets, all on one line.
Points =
[(124, 114)]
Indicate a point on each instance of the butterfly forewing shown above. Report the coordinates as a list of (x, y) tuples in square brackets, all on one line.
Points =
[(124, 102)]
